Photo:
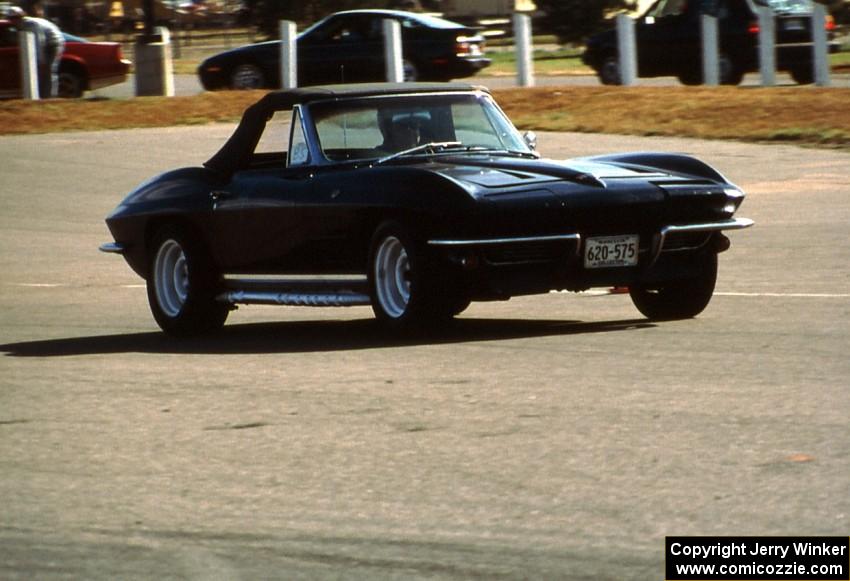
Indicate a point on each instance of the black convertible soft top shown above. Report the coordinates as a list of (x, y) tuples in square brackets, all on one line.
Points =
[(237, 150)]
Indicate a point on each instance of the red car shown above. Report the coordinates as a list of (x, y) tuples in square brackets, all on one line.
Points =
[(84, 66)]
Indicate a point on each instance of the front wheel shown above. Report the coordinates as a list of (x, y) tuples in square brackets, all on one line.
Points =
[(609, 72), (403, 280), (681, 299), (181, 285)]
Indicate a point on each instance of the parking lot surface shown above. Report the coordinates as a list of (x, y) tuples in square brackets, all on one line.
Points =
[(550, 437)]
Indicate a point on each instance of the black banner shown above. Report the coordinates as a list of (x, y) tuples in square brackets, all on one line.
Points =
[(757, 558)]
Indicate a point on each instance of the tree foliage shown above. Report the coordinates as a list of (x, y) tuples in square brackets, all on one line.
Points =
[(575, 20)]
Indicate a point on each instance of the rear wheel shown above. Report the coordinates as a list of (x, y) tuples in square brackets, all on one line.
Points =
[(410, 73), (731, 73), (71, 85), (803, 75), (181, 285), (681, 299), (247, 76)]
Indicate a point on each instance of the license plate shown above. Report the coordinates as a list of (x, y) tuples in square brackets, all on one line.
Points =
[(611, 251), (794, 24)]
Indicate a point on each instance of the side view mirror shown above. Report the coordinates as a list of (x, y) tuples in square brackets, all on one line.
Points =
[(530, 138)]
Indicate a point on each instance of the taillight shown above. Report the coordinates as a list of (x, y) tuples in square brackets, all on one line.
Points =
[(754, 27), (830, 23), (466, 45)]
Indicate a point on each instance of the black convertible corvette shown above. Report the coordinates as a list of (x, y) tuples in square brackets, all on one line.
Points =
[(416, 199)]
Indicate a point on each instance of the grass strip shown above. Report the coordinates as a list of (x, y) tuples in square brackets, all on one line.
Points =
[(804, 116)]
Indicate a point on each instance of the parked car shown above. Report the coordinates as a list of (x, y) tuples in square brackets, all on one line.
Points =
[(348, 47), (417, 199), (84, 66), (668, 40)]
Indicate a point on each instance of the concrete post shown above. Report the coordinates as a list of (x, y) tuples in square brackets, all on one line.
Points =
[(767, 47), (288, 55), (821, 49), (627, 49), (29, 65), (523, 50), (154, 67), (710, 51), (393, 51)]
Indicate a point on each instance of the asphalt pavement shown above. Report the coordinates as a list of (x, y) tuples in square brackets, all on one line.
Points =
[(550, 437)]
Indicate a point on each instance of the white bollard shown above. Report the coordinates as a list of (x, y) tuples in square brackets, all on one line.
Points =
[(627, 49), (710, 51), (523, 50), (168, 65), (288, 55), (393, 51), (767, 47), (154, 66), (29, 65), (820, 46)]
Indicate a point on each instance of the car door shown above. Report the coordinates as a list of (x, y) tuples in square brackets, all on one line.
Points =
[(346, 48), (668, 38), (255, 223), (10, 66)]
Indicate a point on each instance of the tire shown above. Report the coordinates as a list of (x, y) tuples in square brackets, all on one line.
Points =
[(609, 72), (247, 76), (457, 303), (690, 78), (803, 75), (410, 73), (682, 299), (181, 285), (403, 281), (730, 72), (70, 85)]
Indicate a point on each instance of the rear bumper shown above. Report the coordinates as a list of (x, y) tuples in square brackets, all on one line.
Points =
[(462, 67), (112, 74)]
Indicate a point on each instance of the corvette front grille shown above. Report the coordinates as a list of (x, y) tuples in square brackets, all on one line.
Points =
[(685, 241), (528, 252)]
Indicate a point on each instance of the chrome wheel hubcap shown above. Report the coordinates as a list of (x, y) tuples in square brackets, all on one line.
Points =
[(392, 277), (171, 278)]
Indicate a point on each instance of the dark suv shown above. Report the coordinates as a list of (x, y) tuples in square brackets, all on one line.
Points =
[(669, 40)]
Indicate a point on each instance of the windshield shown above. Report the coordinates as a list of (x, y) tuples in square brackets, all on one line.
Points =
[(788, 6), (380, 126)]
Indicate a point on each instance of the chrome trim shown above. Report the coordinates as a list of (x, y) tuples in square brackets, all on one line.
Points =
[(113, 248), (338, 299), (731, 224), (519, 240)]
